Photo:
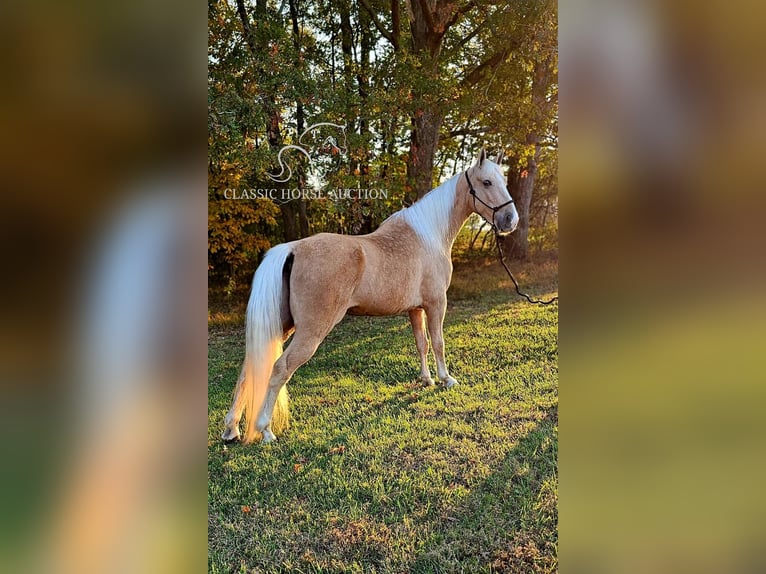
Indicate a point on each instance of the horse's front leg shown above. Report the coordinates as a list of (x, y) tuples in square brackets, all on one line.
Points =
[(418, 320), (435, 315)]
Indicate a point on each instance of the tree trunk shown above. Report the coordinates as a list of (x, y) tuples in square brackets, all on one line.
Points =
[(274, 118), (366, 45), (395, 24), (346, 45), (425, 120), (303, 219), (303, 222), (521, 185), (424, 140), (429, 22), (289, 221), (362, 78)]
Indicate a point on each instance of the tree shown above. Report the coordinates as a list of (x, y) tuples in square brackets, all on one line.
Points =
[(542, 112), (419, 85), (510, 101)]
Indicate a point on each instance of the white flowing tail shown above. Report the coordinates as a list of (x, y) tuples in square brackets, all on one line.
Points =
[(264, 337)]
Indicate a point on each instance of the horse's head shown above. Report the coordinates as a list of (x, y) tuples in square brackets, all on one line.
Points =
[(490, 198)]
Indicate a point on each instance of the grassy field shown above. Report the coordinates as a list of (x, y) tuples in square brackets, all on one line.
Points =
[(376, 473)]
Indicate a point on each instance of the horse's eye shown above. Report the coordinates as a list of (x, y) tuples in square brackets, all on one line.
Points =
[(487, 183)]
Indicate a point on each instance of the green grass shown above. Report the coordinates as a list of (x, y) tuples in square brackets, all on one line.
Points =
[(376, 473)]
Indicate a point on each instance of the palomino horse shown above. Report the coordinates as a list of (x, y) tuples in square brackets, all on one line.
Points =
[(306, 287)]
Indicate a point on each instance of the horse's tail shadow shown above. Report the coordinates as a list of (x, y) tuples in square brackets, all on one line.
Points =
[(264, 335)]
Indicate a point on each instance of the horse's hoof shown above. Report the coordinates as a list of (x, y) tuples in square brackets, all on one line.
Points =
[(268, 437), (230, 435), (428, 382), (449, 382)]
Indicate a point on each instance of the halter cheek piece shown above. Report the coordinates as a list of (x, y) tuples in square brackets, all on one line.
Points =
[(476, 198)]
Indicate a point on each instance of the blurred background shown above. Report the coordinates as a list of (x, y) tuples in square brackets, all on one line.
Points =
[(662, 249), (102, 230), (105, 259)]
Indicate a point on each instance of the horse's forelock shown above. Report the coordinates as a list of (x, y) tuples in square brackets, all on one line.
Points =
[(489, 166)]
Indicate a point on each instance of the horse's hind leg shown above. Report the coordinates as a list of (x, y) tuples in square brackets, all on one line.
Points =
[(300, 350), (418, 321), (320, 294), (231, 422)]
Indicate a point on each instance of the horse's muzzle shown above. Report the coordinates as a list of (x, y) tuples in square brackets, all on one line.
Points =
[(507, 223)]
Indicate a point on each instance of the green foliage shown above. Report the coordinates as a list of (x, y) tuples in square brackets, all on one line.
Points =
[(545, 238), (481, 82), (237, 232)]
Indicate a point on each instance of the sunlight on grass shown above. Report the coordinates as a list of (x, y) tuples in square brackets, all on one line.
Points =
[(378, 474)]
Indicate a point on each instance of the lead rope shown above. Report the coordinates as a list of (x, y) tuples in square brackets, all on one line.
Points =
[(501, 255), (515, 283)]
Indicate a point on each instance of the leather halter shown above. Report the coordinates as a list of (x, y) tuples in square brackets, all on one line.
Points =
[(476, 198)]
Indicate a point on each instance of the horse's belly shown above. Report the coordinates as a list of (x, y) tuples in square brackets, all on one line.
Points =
[(389, 300), (378, 309)]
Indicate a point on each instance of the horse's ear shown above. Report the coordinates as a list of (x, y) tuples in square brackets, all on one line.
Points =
[(499, 158), (482, 156)]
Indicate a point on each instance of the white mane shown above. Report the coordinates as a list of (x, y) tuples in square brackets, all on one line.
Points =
[(430, 216)]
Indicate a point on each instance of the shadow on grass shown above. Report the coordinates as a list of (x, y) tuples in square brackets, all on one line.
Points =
[(508, 523)]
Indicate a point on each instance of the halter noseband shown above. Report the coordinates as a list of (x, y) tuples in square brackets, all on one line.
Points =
[(476, 198)]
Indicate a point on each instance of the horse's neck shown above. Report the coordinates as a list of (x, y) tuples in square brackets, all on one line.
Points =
[(458, 216), (438, 216)]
